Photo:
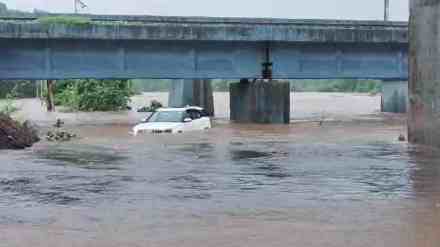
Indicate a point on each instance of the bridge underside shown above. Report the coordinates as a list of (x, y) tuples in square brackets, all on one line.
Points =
[(129, 59)]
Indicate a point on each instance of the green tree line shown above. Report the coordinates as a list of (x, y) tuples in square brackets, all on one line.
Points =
[(345, 85), (93, 95), (27, 89)]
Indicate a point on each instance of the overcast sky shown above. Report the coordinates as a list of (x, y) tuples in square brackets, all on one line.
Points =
[(329, 9)]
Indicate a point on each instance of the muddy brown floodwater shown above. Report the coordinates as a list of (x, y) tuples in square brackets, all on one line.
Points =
[(348, 182)]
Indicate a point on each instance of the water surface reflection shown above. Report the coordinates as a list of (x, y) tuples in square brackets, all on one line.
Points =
[(225, 182)]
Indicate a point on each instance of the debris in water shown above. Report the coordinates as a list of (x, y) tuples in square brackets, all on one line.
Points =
[(154, 105), (59, 136), (58, 124), (402, 138)]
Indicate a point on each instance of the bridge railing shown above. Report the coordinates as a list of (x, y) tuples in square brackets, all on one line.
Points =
[(219, 20)]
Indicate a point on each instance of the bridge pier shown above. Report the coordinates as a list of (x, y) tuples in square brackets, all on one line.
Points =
[(424, 63), (260, 102), (394, 96), (192, 92)]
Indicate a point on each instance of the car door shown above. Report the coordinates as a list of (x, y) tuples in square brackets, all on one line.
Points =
[(205, 120), (188, 126), (197, 122)]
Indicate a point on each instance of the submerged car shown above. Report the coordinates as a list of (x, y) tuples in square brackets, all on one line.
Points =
[(174, 120)]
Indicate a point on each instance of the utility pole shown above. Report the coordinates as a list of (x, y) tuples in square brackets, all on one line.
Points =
[(386, 15), (77, 4)]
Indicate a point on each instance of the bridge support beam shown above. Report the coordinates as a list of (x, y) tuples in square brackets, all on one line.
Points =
[(192, 92), (394, 96), (260, 102), (424, 63)]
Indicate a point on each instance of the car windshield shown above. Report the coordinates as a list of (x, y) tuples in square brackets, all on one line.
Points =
[(167, 116)]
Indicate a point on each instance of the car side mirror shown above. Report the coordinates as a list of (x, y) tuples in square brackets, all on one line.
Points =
[(187, 120)]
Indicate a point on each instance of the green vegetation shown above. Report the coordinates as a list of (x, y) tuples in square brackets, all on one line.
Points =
[(65, 20), (93, 95), (347, 86), (149, 85), (72, 20), (7, 106), (20, 89), (221, 85)]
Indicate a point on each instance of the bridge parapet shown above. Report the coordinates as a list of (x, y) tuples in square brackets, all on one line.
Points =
[(209, 29)]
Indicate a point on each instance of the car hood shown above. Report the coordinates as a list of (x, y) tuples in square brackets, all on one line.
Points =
[(157, 126)]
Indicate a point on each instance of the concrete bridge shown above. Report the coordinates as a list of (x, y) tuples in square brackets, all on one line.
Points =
[(129, 47), (203, 48)]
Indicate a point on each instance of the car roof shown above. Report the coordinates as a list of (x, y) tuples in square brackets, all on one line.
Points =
[(181, 108)]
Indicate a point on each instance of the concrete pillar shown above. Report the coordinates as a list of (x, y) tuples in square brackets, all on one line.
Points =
[(424, 66), (192, 92), (394, 96), (260, 102), (50, 101)]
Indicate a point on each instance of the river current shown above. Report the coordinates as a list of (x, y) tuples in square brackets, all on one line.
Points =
[(346, 182)]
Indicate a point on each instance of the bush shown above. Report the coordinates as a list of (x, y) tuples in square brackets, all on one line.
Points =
[(7, 107), (93, 95), (147, 85), (220, 85), (350, 86), (20, 89)]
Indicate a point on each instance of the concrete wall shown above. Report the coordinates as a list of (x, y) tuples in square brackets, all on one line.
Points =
[(260, 102), (180, 93), (395, 96), (424, 79)]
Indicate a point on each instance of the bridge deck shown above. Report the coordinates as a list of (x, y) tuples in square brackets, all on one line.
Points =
[(202, 48)]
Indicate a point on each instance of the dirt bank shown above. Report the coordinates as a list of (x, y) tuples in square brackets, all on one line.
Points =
[(14, 135)]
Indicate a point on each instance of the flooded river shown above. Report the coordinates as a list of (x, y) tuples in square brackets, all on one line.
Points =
[(348, 182)]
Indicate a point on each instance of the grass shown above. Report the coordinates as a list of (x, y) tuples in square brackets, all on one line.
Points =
[(75, 20), (82, 21), (65, 20)]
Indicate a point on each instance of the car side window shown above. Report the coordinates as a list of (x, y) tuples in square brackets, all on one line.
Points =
[(193, 114), (186, 115), (204, 114)]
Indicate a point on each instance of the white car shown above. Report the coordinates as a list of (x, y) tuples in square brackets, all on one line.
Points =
[(174, 120)]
